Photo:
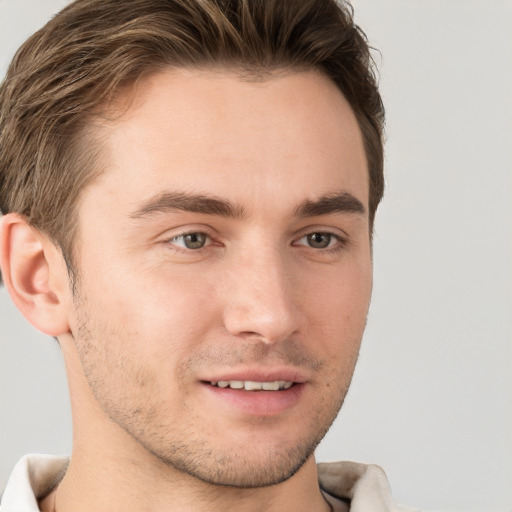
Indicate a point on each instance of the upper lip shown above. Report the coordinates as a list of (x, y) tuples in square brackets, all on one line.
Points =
[(259, 375)]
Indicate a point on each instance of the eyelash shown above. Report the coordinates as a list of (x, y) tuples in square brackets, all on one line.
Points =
[(340, 242)]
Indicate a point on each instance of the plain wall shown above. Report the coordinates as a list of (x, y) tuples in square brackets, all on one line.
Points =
[(431, 400)]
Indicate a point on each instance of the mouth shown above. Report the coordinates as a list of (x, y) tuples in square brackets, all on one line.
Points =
[(257, 397), (251, 385)]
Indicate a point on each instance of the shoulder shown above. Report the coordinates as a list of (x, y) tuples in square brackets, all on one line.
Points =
[(365, 486), (33, 477)]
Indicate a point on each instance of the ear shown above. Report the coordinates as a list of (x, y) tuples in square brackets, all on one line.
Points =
[(35, 275)]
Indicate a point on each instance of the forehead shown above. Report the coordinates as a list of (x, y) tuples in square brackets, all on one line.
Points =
[(216, 131)]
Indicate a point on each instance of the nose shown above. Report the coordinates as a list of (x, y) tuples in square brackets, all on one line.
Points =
[(261, 298)]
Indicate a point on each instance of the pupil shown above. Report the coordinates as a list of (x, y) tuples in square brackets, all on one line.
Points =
[(319, 240), (195, 240)]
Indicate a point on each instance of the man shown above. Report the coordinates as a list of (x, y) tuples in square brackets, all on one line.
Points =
[(188, 190)]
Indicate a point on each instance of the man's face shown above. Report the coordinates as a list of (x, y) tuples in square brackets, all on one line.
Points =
[(225, 246)]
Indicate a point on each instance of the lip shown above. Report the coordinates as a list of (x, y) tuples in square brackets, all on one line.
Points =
[(255, 403), (259, 403), (259, 375)]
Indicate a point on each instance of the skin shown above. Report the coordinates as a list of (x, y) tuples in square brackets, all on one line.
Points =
[(152, 321)]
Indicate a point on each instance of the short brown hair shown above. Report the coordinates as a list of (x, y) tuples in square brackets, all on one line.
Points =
[(71, 68)]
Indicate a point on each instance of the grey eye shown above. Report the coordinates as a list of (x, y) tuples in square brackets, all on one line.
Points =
[(319, 240), (191, 240)]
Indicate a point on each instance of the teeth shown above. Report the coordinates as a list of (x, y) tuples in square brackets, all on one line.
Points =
[(250, 385)]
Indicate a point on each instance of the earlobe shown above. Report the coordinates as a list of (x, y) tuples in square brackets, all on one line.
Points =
[(34, 274)]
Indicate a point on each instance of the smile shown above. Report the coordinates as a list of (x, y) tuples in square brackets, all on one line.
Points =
[(249, 385)]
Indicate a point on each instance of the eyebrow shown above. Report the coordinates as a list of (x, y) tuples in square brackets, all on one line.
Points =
[(342, 202), (196, 203)]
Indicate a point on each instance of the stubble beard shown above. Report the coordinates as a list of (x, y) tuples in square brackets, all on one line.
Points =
[(235, 467), (189, 452)]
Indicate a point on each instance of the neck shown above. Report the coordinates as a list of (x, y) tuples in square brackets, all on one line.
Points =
[(95, 482)]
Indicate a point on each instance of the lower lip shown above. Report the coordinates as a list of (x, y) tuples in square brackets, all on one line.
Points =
[(258, 403)]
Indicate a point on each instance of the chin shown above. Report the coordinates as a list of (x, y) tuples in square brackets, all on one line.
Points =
[(244, 465), (246, 472)]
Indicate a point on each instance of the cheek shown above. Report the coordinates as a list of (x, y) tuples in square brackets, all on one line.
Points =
[(134, 350), (342, 295), (162, 299), (338, 311)]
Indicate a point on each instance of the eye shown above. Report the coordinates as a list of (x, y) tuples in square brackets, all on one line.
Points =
[(191, 241), (319, 240)]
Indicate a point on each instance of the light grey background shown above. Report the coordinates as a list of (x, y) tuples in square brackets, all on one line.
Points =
[(432, 397)]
